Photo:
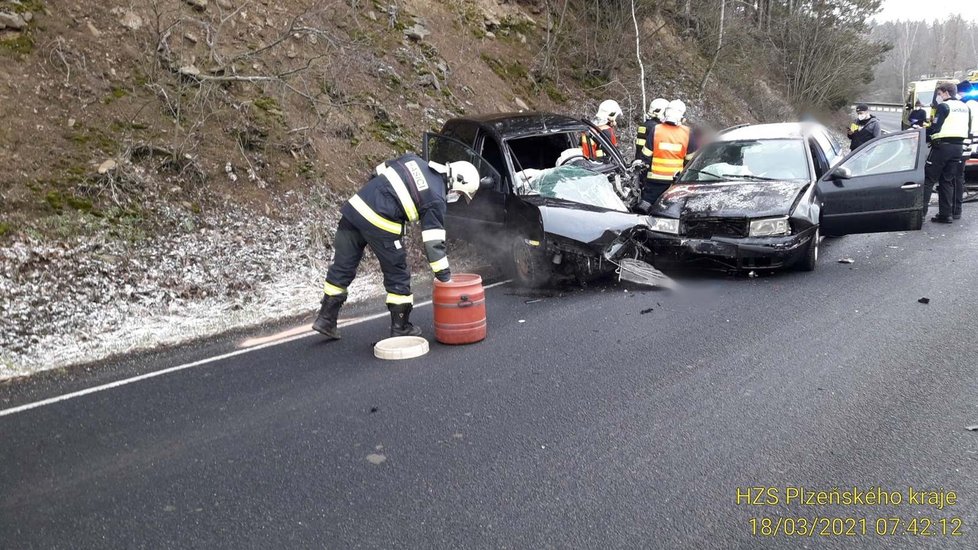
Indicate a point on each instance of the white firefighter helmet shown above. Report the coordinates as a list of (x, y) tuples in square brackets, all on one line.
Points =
[(675, 112), (463, 178), (657, 106), (608, 111)]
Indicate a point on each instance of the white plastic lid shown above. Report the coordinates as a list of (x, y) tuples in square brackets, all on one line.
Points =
[(401, 347)]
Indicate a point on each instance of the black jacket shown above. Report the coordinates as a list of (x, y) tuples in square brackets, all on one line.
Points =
[(866, 130), (917, 117)]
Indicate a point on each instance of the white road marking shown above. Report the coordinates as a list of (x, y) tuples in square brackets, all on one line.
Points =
[(126, 381)]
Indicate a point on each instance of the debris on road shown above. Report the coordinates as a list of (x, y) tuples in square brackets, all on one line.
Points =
[(752, 274), (924, 300), (522, 320), (376, 459), (533, 301), (847, 261), (972, 428), (649, 310), (642, 273)]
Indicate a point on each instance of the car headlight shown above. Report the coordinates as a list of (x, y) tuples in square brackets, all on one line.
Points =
[(664, 225), (769, 227)]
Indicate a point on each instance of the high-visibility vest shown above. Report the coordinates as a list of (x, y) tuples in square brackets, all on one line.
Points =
[(668, 152), (592, 148), (957, 124)]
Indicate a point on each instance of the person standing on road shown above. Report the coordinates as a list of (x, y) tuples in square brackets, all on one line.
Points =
[(947, 134), (964, 89), (669, 145), (406, 189), (652, 118), (606, 120), (865, 128), (918, 117)]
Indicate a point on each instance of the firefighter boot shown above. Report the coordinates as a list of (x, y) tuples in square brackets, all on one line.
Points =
[(400, 320), (325, 324)]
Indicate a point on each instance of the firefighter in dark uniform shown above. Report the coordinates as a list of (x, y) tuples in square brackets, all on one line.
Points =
[(406, 189), (670, 144), (652, 118), (947, 136)]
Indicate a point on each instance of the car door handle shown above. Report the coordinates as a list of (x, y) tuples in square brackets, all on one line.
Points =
[(910, 186)]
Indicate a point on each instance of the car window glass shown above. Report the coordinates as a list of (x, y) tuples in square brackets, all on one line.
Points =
[(818, 158), (462, 132), (829, 146), (774, 159), (896, 154), (575, 184), (443, 149), (494, 156)]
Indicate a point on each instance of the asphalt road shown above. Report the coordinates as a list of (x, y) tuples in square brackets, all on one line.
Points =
[(592, 418), (889, 122)]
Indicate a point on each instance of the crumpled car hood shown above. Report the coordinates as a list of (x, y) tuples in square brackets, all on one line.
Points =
[(734, 199), (589, 225)]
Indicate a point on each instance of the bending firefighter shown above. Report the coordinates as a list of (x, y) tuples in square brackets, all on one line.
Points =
[(406, 189), (606, 119)]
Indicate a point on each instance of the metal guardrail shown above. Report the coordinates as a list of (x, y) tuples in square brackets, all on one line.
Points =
[(882, 107)]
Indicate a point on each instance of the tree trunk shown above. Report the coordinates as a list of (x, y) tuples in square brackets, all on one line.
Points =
[(638, 56), (716, 54)]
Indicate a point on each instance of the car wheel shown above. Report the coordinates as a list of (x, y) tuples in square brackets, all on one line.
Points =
[(808, 262), (529, 265)]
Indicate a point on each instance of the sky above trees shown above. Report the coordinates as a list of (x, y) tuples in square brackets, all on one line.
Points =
[(894, 10)]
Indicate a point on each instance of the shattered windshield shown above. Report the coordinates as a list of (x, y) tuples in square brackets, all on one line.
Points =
[(575, 184), (749, 160)]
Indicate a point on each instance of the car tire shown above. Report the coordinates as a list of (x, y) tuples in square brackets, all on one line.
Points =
[(528, 264), (810, 259)]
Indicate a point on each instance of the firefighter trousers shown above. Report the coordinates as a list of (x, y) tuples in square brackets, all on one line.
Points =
[(348, 247)]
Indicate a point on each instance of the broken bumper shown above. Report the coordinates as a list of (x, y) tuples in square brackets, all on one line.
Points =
[(732, 252)]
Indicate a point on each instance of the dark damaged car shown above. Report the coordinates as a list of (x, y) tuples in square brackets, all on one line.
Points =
[(762, 196), (543, 211)]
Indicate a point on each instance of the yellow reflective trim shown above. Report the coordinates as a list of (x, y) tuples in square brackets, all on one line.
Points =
[(640, 142), (374, 218), (332, 290), (654, 176), (641, 129), (599, 153), (646, 151), (402, 194), (440, 265), (668, 163), (671, 147), (430, 235), (398, 299), (532, 243)]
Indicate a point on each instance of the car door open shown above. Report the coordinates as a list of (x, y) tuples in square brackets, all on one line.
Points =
[(473, 218), (879, 187)]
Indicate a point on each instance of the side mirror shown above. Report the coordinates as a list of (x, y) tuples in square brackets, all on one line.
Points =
[(487, 183), (841, 173)]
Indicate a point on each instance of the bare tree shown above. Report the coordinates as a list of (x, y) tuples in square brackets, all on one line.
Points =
[(716, 53), (638, 55)]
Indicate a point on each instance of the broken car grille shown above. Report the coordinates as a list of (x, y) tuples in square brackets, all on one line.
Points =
[(706, 228)]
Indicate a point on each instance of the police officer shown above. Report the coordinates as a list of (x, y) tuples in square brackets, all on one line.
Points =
[(406, 189), (667, 147), (964, 92), (946, 135), (652, 118), (606, 120)]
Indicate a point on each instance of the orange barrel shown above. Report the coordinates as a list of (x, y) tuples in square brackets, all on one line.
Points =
[(460, 309)]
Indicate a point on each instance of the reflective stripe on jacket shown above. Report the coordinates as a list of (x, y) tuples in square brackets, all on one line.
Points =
[(955, 126), (670, 144), (404, 190)]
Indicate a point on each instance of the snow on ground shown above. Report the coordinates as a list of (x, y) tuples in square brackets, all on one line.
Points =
[(90, 298)]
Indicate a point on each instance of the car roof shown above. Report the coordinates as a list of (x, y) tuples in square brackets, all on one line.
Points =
[(779, 130), (511, 125)]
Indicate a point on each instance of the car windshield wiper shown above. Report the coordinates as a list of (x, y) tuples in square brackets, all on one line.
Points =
[(705, 173), (752, 177)]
